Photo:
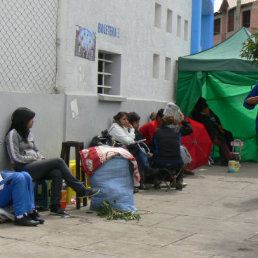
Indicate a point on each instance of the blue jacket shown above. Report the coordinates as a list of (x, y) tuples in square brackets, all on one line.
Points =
[(253, 93)]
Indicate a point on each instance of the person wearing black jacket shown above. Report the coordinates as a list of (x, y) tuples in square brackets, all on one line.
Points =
[(166, 144), (219, 136)]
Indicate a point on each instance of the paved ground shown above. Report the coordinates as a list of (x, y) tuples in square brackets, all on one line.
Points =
[(216, 216)]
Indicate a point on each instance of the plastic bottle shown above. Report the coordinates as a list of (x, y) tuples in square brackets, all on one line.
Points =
[(64, 193)]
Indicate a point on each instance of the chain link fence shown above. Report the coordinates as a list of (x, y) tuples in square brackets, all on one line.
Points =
[(28, 45)]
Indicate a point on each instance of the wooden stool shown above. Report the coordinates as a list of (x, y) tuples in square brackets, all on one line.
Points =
[(65, 155)]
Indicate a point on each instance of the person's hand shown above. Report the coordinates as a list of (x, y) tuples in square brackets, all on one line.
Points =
[(252, 100), (37, 159), (182, 117), (221, 129), (128, 125)]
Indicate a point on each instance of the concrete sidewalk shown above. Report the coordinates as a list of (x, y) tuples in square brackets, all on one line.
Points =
[(216, 215)]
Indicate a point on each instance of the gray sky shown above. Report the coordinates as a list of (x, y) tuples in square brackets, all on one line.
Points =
[(217, 4)]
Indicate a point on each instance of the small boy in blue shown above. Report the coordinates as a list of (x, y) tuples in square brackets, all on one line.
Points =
[(250, 102), (16, 188)]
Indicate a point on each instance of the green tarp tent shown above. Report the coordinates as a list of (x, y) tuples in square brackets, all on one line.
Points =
[(221, 76)]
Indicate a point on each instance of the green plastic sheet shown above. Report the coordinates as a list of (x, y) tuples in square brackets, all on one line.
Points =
[(225, 92)]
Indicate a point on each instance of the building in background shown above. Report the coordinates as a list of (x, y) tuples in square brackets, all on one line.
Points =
[(233, 15), (202, 25), (77, 63)]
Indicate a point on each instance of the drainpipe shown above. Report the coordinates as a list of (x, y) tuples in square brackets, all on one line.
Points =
[(196, 26), (238, 15)]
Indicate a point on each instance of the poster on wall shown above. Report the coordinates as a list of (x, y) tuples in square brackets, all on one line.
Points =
[(85, 43)]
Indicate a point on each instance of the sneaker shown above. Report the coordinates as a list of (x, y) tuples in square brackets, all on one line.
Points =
[(184, 185), (26, 221), (188, 172), (143, 187), (57, 210), (89, 192), (35, 216), (179, 185), (156, 184), (135, 190), (5, 216)]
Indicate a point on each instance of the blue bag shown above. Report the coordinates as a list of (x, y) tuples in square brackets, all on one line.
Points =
[(115, 182)]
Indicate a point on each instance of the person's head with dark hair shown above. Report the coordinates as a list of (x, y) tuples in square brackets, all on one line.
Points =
[(152, 116), (121, 118), (22, 121), (160, 113), (159, 117), (134, 120), (201, 106)]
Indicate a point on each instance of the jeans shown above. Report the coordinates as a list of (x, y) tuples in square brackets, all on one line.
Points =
[(142, 161), (17, 189), (56, 170)]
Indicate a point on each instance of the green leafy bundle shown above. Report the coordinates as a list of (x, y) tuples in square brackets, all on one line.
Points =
[(107, 210)]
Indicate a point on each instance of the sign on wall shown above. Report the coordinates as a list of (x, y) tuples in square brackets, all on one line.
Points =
[(85, 43), (108, 30)]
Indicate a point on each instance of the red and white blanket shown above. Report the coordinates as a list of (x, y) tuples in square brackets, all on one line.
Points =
[(94, 157)]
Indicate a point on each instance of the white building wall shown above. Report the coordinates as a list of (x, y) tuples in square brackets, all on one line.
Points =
[(139, 40), (77, 77)]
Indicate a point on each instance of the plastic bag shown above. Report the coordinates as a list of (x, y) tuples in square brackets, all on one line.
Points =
[(185, 155), (115, 182), (174, 110)]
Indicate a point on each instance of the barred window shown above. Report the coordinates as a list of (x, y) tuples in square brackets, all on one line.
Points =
[(109, 69)]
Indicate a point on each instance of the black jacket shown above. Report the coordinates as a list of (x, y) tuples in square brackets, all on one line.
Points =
[(211, 123), (167, 141)]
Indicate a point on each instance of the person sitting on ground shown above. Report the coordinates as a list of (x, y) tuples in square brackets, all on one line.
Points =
[(166, 142), (140, 150), (17, 189), (25, 156), (149, 128), (217, 133)]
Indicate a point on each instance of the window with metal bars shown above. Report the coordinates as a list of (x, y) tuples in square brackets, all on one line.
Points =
[(109, 67)]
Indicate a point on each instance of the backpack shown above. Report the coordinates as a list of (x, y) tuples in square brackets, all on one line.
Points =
[(103, 139)]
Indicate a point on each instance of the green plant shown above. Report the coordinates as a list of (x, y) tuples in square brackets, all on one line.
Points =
[(107, 210), (250, 48)]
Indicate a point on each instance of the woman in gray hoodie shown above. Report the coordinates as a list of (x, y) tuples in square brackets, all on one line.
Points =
[(25, 156)]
